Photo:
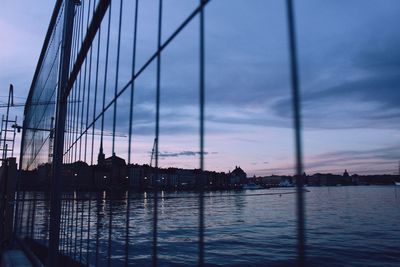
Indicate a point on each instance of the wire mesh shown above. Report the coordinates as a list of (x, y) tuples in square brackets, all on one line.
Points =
[(105, 36)]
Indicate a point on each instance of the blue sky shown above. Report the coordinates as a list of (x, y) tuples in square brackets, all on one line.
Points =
[(349, 74)]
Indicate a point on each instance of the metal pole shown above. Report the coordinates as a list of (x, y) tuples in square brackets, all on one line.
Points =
[(22, 148), (1, 134), (297, 129), (157, 133), (201, 133), (13, 140), (55, 208), (10, 95)]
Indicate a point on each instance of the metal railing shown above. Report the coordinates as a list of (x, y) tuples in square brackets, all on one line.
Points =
[(80, 67)]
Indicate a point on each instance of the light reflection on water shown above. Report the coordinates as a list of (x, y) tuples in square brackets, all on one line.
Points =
[(346, 226)]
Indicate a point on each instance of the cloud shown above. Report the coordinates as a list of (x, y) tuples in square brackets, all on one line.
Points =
[(167, 154), (367, 161), (378, 160), (247, 81), (362, 91)]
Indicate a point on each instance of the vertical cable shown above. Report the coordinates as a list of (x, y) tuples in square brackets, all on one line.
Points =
[(21, 224), (71, 230), (95, 92), (71, 123), (157, 133), (89, 84), (88, 231), (66, 219), (67, 126), (87, 106), (68, 223), (297, 132), (62, 225), (74, 119), (1, 135), (74, 39), (86, 133), (33, 216), (114, 126), (127, 220), (81, 232), (80, 37), (93, 133), (76, 225), (80, 112), (47, 221), (105, 78), (76, 116), (130, 130), (74, 93), (17, 207), (99, 203), (109, 254), (133, 81), (116, 77), (28, 218), (201, 104)]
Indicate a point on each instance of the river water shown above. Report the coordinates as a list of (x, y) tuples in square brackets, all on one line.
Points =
[(346, 226)]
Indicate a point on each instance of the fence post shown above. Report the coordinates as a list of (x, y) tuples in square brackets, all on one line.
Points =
[(2, 200), (8, 176), (55, 205), (10, 194)]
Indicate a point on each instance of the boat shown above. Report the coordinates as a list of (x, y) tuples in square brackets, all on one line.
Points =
[(286, 183), (252, 186)]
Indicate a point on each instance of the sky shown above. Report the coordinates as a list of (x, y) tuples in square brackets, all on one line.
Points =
[(349, 66)]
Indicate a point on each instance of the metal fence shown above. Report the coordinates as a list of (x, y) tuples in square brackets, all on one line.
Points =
[(85, 81), (40, 104)]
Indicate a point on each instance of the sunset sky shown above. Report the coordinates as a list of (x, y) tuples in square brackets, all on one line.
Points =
[(349, 60)]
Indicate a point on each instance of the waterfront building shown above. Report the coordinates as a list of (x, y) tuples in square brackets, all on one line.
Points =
[(237, 176), (110, 172), (77, 175), (135, 176), (272, 181), (186, 178)]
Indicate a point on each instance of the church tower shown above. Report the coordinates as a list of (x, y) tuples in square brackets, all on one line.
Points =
[(101, 157)]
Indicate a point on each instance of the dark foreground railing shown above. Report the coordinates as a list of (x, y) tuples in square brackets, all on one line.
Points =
[(98, 228)]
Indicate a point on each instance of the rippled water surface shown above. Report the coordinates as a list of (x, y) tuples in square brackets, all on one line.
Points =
[(346, 226)]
